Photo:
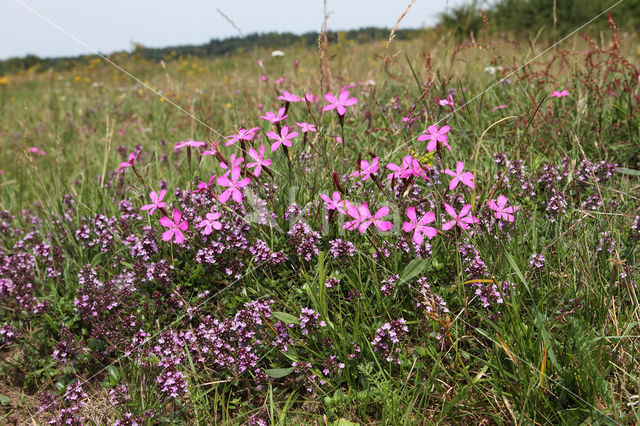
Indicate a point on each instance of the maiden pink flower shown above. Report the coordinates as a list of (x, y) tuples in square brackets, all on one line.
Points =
[(210, 223), (284, 138), (213, 148), (419, 227), (495, 108), (234, 184), (306, 127), (176, 226), (274, 118), (288, 97), (368, 169), (189, 143), (156, 202), (458, 176), (462, 219), (368, 220), (260, 161), (418, 169), (36, 150), (132, 159), (234, 161), (334, 203), (400, 172), (448, 101), (204, 186), (343, 100), (559, 94), (243, 134), (501, 210), (435, 135), (355, 213), (311, 98)]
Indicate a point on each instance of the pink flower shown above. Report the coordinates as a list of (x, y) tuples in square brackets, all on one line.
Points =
[(306, 127), (260, 161), (355, 213), (495, 108), (435, 135), (419, 227), (365, 219), (343, 100), (260, 64), (192, 144), (418, 169), (334, 203), (283, 138), (213, 148), (280, 80), (204, 186), (368, 169), (243, 134), (156, 202), (400, 172), (36, 150), (211, 223), (462, 219), (446, 102), (288, 97), (234, 161), (311, 98), (501, 211), (234, 185), (176, 226), (561, 94), (132, 159), (458, 176), (274, 118)]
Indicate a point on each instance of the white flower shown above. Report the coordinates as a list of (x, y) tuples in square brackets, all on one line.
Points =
[(493, 70)]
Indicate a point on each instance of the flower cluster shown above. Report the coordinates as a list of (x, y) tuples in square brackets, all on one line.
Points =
[(388, 339)]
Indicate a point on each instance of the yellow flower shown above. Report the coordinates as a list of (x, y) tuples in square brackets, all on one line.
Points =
[(4, 80), (426, 159)]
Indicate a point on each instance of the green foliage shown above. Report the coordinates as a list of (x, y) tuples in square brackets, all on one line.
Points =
[(527, 17)]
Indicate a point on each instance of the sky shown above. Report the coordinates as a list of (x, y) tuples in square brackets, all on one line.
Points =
[(29, 26)]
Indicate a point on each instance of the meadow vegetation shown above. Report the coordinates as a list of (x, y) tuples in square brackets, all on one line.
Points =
[(422, 231)]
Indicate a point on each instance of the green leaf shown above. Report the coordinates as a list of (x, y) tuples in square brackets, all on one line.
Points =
[(114, 374), (277, 373), (630, 172), (413, 269), (345, 422), (517, 270), (4, 399), (285, 317)]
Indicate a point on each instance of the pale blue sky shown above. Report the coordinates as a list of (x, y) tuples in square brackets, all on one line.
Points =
[(111, 25)]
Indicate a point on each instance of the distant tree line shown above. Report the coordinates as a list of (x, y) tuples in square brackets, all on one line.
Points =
[(553, 18), (215, 47)]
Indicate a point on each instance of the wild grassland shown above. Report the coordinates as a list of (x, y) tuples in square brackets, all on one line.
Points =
[(523, 315)]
